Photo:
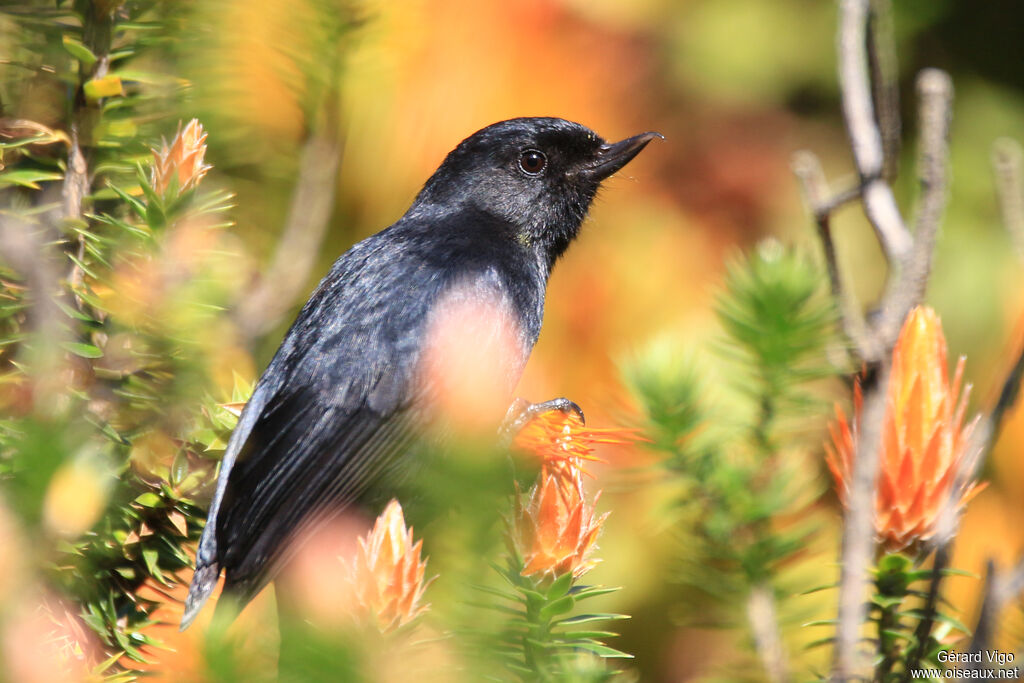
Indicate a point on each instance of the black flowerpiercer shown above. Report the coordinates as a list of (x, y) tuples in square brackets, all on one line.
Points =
[(336, 405)]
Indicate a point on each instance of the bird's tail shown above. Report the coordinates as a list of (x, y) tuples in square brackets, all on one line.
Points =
[(203, 583), (207, 566)]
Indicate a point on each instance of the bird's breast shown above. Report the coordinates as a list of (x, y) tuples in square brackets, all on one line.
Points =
[(475, 345)]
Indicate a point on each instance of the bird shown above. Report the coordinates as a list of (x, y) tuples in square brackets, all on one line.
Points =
[(338, 405)]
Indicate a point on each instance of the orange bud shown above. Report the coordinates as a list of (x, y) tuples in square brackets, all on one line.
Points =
[(387, 574), (555, 530), (182, 159), (924, 439)]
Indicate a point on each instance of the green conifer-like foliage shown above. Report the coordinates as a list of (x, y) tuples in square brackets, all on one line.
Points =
[(100, 339), (738, 432)]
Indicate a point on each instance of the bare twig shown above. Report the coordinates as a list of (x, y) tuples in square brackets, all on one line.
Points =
[(816, 192), (991, 605), (22, 247), (880, 207), (808, 171), (865, 50), (1008, 164), (885, 83), (16, 129), (935, 106), (73, 192), (312, 200), (76, 178), (764, 625), (912, 262), (858, 532), (1013, 584), (906, 290), (298, 247), (35, 68), (865, 138)]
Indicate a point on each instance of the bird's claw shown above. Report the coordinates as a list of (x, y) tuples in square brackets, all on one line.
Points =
[(521, 412)]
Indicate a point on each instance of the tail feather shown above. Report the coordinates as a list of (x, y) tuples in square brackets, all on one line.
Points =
[(203, 583), (207, 566)]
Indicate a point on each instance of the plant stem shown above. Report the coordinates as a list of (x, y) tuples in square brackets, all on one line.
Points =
[(888, 621), (538, 632)]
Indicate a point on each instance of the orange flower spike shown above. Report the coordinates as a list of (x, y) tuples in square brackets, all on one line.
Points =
[(182, 159), (924, 439), (555, 530), (387, 575), (562, 439)]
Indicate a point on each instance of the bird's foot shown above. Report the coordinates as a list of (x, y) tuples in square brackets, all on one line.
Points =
[(522, 411)]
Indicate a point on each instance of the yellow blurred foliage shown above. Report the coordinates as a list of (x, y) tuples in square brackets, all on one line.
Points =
[(76, 497), (152, 454)]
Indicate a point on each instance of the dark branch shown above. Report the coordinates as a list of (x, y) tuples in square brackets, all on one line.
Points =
[(885, 83), (816, 193), (931, 605), (1001, 588), (1008, 394)]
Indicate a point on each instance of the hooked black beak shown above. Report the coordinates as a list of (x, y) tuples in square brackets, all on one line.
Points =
[(611, 157)]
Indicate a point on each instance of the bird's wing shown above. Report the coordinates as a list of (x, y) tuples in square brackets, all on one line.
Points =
[(207, 567), (337, 407), (305, 454), (340, 415), (330, 413)]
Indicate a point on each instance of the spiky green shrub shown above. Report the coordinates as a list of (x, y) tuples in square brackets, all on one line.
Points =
[(741, 439), (102, 340)]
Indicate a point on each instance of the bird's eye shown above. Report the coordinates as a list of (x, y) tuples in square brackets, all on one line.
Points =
[(532, 161)]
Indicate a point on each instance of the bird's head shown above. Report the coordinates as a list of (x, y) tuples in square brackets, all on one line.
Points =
[(539, 175)]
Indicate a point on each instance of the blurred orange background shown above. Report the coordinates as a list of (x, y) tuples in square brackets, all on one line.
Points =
[(736, 87)]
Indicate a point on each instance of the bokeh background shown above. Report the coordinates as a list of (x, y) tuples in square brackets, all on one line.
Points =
[(736, 87)]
